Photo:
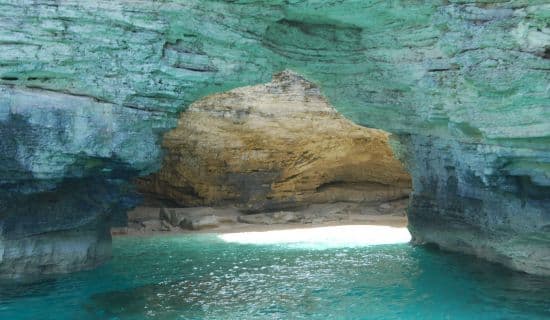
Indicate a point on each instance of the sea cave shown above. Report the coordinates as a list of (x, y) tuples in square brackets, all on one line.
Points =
[(247, 159)]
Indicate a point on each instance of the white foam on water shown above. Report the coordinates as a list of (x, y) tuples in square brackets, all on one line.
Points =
[(323, 237)]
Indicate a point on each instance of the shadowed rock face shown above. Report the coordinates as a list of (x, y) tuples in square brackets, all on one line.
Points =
[(86, 87), (55, 232), (479, 206), (65, 160), (274, 145)]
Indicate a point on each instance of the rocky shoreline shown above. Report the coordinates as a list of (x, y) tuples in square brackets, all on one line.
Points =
[(161, 220)]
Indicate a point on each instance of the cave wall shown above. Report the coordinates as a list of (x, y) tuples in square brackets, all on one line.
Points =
[(468, 197), (88, 87), (273, 146)]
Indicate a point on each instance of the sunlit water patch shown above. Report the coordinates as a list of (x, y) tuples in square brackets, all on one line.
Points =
[(204, 277), (324, 237)]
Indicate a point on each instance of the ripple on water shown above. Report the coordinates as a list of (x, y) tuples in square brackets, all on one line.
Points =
[(202, 277)]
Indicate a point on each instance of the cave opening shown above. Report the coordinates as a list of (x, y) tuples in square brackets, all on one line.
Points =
[(267, 203), (274, 154)]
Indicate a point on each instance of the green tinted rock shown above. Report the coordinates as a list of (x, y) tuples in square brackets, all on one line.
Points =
[(100, 81)]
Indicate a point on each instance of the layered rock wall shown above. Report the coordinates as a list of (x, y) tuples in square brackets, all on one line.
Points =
[(469, 198), (271, 146), (88, 86)]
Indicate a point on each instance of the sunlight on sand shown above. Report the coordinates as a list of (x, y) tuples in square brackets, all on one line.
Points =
[(324, 237)]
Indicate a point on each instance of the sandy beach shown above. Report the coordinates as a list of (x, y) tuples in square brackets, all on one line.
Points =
[(145, 221)]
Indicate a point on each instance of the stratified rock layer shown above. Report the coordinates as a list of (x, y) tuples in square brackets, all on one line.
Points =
[(468, 198), (274, 145), (86, 86)]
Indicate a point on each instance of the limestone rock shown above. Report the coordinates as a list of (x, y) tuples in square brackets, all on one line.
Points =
[(198, 218), (273, 145), (53, 253), (87, 87), (204, 222), (153, 225), (280, 217), (384, 207), (467, 199)]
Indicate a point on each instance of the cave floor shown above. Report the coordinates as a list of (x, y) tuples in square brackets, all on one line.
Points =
[(147, 221)]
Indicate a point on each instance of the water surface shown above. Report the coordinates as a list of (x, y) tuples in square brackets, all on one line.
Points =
[(203, 277)]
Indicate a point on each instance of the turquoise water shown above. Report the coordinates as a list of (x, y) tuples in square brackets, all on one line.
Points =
[(201, 277)]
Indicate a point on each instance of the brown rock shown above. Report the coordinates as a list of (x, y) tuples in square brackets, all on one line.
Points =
[(274, 145)]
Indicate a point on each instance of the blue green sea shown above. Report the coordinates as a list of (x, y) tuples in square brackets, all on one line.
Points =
[(202, 277)]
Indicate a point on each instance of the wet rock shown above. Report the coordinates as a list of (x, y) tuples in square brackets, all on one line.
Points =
[(484, 209)]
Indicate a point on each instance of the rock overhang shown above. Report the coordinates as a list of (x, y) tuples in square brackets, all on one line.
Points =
[(466, 82)]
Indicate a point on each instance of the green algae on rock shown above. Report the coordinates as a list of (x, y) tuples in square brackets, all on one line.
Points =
[(86, 88)]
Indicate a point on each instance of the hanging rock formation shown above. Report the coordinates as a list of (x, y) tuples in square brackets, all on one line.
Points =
[(88, 87), (271, 146)]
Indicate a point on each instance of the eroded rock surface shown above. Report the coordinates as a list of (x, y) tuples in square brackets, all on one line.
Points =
[(87, 86), (470, 198), (274, 145)]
